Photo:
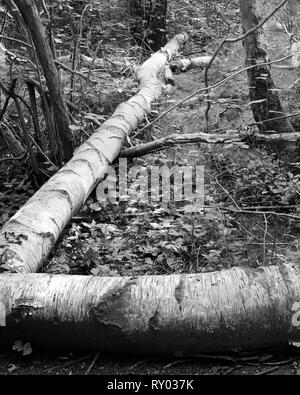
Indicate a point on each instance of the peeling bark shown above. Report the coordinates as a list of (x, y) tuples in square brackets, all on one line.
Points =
[(231, 310)]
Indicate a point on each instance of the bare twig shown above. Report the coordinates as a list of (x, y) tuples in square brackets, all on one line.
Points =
[(13, 158), (139, 364), (296, 114), (25, 44), (227, 193), (32, 98), (267, 371), (42, 152), (265, 238), (58, 63), (33, 21), (4, 21), (234, 40), (66, 364), (66, 68), (241, 211), (76, 48)]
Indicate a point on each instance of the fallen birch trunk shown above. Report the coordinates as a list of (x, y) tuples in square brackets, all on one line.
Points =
[(233, 137), (199, 62), (231, 310), (27, 238)]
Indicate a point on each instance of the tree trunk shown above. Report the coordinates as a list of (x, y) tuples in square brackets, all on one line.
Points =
[(230, 310), (148, 23), (263, 95), (186, 64), (27, 238), (32, 19)]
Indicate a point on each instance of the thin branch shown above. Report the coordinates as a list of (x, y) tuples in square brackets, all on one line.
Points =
[(13, 158), (66, 68), (65, 364), (92, 364), (6, 90), (233, 137), (9, 95), (228, 194), (241, 211), (63, 66), (177, 139), (42, 152), (32, 19), (26, 136), (275, 119), (4, 21), (265, 238), (16, 41)]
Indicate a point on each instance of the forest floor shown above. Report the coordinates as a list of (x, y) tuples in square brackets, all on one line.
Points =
[(135, 239)]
